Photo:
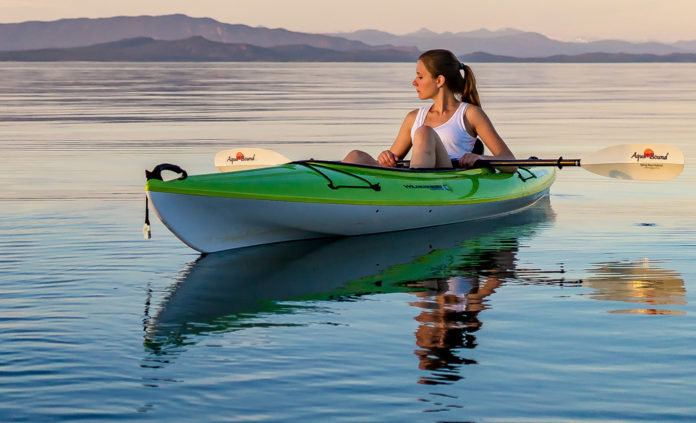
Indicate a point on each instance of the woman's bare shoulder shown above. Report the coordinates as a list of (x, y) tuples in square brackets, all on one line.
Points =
[(411, 116), (408, 122), (474, 110), (475, 114)]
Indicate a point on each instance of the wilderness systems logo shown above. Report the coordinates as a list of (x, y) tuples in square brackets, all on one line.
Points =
[(649, 154), (240, 158), (442, 187)]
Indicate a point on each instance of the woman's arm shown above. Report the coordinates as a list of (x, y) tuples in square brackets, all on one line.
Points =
[(477, 122), (401, 145)]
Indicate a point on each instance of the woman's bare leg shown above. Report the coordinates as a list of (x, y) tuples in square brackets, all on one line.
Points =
[(428, 150), (360, 157)]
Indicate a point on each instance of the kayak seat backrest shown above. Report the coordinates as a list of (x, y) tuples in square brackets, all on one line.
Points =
[(478, 147)]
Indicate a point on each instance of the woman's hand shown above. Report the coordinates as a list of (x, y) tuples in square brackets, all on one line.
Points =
[(467, 160), (387, 159)]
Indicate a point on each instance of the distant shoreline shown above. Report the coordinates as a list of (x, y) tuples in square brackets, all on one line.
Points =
[(482, 57), (200, 49), (336, 62)]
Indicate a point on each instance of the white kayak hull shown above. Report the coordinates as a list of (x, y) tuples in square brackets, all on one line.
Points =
[(209, 224)]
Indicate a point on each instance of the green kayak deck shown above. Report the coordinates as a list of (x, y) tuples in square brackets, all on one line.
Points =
[(340, 183)]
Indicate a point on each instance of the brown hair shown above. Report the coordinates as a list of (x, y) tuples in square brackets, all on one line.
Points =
[(445, 63)]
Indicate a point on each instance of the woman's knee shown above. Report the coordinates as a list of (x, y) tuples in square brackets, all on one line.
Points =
[(424, 131), (425, 136), (357, 156)]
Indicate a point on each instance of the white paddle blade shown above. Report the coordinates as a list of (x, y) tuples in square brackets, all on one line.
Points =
[(646, 162), (247, 158)]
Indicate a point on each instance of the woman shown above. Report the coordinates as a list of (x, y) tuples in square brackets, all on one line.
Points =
[(443, 134)]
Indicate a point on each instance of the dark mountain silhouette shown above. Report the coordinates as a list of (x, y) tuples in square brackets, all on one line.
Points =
[(200, 49), (84, 32)]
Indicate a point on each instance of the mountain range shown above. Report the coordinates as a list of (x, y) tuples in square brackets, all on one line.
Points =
[(180, 37), (197, 48), (83, 32), (514, 43)]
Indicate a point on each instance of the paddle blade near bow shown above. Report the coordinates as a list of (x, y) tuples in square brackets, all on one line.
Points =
[(247, 158)]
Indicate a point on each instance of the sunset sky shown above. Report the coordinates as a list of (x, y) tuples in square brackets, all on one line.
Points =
[(570, 20)]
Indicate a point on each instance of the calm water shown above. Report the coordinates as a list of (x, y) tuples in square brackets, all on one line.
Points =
[(581, 309)]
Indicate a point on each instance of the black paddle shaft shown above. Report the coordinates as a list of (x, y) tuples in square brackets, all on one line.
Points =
[(559, 162)]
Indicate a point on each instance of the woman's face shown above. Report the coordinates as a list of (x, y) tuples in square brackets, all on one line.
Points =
[(425, 82)]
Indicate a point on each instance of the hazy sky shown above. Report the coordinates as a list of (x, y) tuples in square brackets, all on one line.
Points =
[(634, 20)]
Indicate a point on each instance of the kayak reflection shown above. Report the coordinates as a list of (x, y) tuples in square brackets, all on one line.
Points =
[(641, 282), (449, 270)]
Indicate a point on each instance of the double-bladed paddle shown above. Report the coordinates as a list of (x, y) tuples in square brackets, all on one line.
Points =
[(650, 162)]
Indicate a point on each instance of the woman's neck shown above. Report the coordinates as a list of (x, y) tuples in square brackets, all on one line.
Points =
[(444, 103)]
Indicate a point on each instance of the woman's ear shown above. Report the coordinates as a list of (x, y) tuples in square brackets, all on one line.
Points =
[(440, 81)]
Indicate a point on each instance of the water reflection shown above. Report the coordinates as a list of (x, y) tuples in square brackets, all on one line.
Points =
[(451, 308), (449, 270), (642, 282)]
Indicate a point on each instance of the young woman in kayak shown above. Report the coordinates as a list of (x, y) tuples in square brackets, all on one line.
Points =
[(443, 134)]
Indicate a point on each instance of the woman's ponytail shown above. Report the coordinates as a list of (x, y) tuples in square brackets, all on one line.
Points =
[(469, 92)]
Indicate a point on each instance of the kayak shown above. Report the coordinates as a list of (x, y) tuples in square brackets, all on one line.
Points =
[(314, 199)]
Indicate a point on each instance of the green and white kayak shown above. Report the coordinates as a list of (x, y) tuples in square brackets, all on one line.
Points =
[(314, 199)]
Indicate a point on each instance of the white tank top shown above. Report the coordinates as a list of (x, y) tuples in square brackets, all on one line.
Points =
[(452, 133)]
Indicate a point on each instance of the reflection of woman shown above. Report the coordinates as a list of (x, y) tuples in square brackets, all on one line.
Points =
[(443, 134), (451, 308)]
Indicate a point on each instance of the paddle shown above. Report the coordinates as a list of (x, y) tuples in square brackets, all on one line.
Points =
[(654, 162), (647, 162), (247, 158)]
